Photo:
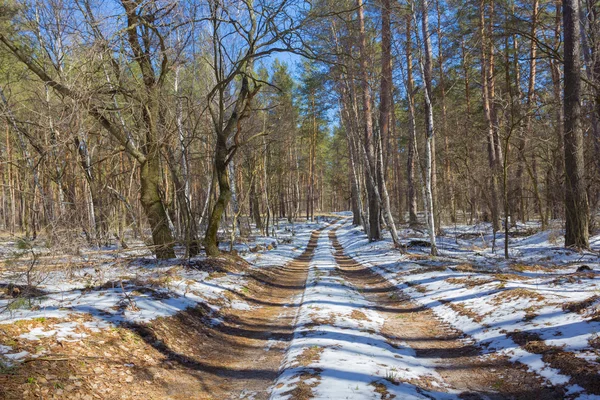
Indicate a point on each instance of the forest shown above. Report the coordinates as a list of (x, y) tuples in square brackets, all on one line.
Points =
[(297, 199)]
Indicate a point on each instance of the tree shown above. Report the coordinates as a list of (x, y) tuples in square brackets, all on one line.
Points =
[(140, 36), (576, 202), (374, 230), (426, 70)]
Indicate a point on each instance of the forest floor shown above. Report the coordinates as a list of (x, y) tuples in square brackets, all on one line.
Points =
[(321, 313)]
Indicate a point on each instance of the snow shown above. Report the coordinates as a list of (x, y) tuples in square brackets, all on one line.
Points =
[(351, 354), (122, 289), (469, 286), (64, 331), (497, 293), (16, 356)]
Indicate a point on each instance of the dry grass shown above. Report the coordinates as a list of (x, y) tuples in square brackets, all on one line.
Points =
[(526, 268), (581, 372), (581, 307), (303, 389), (594, 341), (381, 389), (508, 277), (358, 315), (412, 256), (469, 282), (464, 268), (463, 310), (309, 355), (227, 263), (518, 293), (422, 269), (530, 313), (573, 278)]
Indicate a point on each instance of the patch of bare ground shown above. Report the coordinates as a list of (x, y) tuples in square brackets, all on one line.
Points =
[(582, 373), (464, 268), (224, 263), (422, 269), (358, 315), (469, 281), (510, 277), (308, 356), (573, 278), (382, 390), (583, 306), (417, 287), (303, 389), (459, 363), (530, 313), (317, 321), (528, 268), (412, 256), (461, 309), (594, 342), (179, 357), (517, 293)]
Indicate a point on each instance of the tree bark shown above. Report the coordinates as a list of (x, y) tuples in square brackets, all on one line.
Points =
[(412, 130), (211, 243), (426, 69), (449, 178), (487, 64), (576, 202), (374, 209), (385, 112)]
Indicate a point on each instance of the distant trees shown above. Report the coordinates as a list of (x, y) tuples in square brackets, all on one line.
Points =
[(148, 53), (177, 104), (178, 121)]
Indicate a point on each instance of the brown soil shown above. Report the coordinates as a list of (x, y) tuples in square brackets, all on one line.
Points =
[(185, 357), (459, 363), (179, 357), (382, 390), (581, 372), (303, 390), (581, 307)]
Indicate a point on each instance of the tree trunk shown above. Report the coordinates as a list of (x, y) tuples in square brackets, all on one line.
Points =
[(426, 69), (154, 208), (412, 130), (448, 177), (354, 185), (576, 202), (255, 203), (558, 152), (487, 63), (211, 243), (385, 112), (374, 210)]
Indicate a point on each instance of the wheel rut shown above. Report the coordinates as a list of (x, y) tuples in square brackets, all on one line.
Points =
[(247, 364), (339, 349), (460, 364)]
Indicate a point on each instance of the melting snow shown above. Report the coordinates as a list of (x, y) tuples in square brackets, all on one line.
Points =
[(540, 292), (350, 354)]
